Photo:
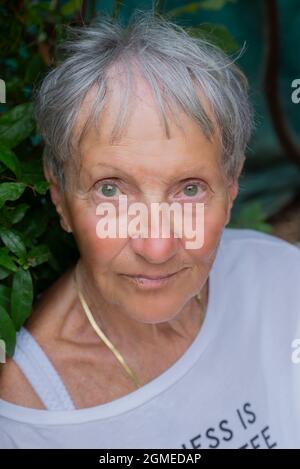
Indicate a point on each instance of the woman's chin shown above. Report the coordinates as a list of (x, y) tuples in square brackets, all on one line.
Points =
[(152, 311)]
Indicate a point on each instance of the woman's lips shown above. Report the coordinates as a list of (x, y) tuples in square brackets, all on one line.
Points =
[(147, 282)]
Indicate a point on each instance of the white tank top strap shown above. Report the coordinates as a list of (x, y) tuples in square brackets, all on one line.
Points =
[(41, 374)]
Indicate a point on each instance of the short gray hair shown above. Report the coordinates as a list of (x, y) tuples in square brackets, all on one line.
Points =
[(174, 64)]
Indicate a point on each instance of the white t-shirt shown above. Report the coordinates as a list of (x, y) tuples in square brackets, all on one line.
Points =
[(237, 385)]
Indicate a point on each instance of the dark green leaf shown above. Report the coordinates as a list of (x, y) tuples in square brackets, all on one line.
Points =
[(11, 191), (190, 8), (10, 160), (71, 7), (16, 125), (38, 255), (6, 261), (214, 5), (41, 187), (252, 216), (13, 241), (35, 65), (193, 7), (4, 273), (21, 297), (15, 214), (7, 331), (216, 34), (37, 223), (32, 171), (5, 297)]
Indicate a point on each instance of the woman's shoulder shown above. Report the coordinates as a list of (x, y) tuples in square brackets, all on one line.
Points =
[(42, 325), (15, 388)]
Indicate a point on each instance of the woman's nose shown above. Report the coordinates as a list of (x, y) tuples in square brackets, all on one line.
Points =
[(156, 250), (155, 240)]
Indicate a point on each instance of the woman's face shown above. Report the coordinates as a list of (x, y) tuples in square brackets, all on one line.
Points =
[(147, 167)]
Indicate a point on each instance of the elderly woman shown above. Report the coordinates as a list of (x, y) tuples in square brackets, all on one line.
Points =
[(148, 341)]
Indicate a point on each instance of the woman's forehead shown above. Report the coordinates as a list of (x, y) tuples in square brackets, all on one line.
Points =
[(145, 121), (145, 137), (143, 145), (159, 159)]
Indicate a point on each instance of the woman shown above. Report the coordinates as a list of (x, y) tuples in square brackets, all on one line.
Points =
[(146, 342)]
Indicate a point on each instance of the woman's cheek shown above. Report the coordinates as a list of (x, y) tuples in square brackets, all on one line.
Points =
[(90, 244)]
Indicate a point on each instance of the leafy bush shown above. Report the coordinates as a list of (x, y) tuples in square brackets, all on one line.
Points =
[(34, 250)]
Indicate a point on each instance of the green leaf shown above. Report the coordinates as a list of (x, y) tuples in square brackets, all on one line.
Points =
[(10, 160), (71, 7), (15, 214), (252, 216), (41, 187), (13, 86), (11, 191), (214, 5), (6, 261), (193, 7), (7, 331), (5, 297), (16, 125), (33, 68), (37, 224), (38, 255), (13, 241), (32, 171), (21, 297), (216, 34), (4, 273), (190, 8)]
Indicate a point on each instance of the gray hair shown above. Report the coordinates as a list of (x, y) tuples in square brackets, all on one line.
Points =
[(174, 64)]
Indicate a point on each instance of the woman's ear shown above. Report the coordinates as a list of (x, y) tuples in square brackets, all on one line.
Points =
[(233, 189), (57, 198)]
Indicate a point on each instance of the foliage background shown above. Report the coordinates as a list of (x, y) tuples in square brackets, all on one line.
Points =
[(34, 250)]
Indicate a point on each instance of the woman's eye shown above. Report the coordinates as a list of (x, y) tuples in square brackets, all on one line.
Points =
[(107, 189), (191, 190)]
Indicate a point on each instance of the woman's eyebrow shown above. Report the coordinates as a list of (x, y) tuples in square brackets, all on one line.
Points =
[(184, 172), (181, 175), (108, 166), (113, 168)]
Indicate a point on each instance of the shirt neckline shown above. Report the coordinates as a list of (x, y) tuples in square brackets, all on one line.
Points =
[(139, 396)]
